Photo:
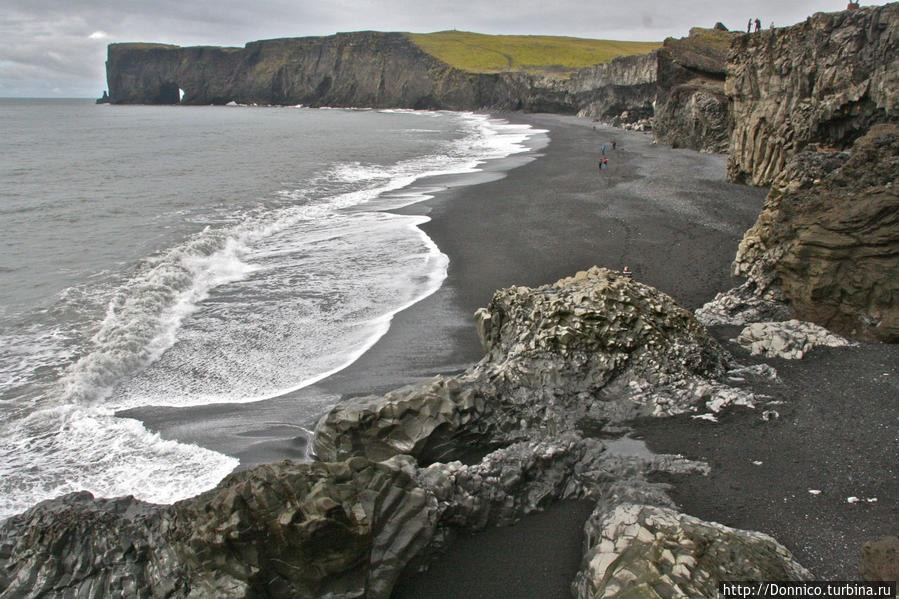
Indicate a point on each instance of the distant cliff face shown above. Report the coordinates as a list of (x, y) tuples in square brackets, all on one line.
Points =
[(351, 69), (605, 90), (823, 82)]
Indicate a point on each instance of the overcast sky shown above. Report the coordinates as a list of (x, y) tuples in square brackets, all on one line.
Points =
[(58, 47)]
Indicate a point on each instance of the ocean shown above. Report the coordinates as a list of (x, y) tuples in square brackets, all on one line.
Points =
[(191, 256)]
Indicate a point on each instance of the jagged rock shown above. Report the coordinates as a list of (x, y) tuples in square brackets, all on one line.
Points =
[(744, 304), (827, 239), (589, 350), (790, 340), (281, 530), (822, 82), (526, 477), (434, 421), (636, 551), (879, 560)]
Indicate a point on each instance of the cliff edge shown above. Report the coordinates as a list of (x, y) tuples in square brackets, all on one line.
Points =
[(821, 83)]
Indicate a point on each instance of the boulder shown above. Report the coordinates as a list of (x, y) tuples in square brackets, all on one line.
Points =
[(646, 551), (586, 351), (790, 340)]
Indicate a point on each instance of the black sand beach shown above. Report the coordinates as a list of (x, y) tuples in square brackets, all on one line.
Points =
[(670, 216)]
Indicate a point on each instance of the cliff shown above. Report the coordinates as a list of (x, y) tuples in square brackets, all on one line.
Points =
[(828, 238), (691, 110), (822, 83), (348, 69)]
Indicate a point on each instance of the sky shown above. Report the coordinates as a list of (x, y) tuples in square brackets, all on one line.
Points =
[(57, 48)]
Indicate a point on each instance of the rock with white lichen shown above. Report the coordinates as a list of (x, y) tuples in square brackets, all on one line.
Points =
[(640, 551), (592, 350)]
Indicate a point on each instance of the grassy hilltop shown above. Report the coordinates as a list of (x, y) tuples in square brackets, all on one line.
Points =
[(538, 54)]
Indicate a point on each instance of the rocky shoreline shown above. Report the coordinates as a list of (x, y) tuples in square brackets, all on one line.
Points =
[(390, 488), (567, 365)]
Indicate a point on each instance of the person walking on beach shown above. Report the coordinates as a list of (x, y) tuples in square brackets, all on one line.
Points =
[(603, 150), (758, 25), (600, 165), (605, 163), (614, 143)]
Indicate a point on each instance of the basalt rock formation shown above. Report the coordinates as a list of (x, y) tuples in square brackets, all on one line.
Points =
[(281, 530), (586, 353), (585, 348), (692, 109), (819, 84), (369, 69), (827, 240), (649, 551)]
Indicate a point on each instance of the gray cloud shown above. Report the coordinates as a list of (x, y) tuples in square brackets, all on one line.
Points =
[(49, 48)]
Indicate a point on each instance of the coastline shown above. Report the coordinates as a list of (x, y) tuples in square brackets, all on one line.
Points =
[(671, 217), (668, 214)]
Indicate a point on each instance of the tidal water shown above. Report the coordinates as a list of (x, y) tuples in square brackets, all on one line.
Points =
[(184, 256)]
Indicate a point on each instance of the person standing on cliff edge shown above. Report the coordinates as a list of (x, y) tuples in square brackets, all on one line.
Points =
[(758, 25), (749, 26)]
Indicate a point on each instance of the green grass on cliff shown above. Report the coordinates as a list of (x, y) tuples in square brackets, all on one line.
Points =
[(542, 54)]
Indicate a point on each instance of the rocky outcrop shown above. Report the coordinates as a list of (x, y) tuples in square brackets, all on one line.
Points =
[(638, 551), (827, 240), (306, 530), (562, 361), (790, 340), (691, 110), (282, 530), (587, 352), (821, 83)]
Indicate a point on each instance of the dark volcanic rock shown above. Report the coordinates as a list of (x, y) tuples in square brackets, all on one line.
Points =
[(590, 351), (828, 238), (822, 82), (370, 69), (692, 109), (280, 530)]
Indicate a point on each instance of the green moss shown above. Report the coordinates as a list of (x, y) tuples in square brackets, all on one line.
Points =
[(541, 54)]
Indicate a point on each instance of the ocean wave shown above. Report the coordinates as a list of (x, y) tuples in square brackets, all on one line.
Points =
[(265, 300), (70, 448)]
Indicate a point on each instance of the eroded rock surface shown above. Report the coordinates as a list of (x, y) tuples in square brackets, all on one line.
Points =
[(587, 351), (790, 340), (827, 239), (645, 551), (691, 110), (281, 530), (879, 559), (821, 83)]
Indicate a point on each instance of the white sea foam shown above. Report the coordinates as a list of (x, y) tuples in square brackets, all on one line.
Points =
[(70, 448), (263, 302)]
